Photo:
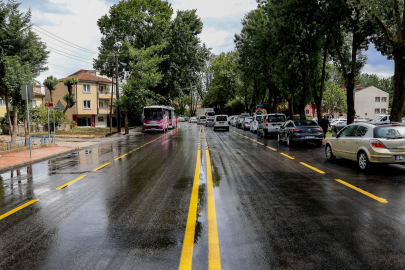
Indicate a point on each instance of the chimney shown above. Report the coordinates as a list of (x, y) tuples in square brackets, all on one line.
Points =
[(358, 87)]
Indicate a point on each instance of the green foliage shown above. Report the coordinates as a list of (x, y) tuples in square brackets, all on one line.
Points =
[(69, 96), (234, 107), (70, 100), (334, 99), (50, 82), (41, 115)]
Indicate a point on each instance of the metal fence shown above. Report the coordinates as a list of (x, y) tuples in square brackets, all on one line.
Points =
[(19, 143)]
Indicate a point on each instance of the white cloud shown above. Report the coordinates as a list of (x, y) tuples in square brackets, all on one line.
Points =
[(215, 8), (383, 71), (214, 38)]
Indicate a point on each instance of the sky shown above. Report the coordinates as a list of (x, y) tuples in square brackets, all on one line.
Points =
[(75, 21)]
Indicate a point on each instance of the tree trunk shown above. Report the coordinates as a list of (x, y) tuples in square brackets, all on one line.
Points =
[(126, 122), (50, 94), (10, 125), (350, 98), (291, 107), (399, 88), (246, 103), (15, 124), (275, 94)]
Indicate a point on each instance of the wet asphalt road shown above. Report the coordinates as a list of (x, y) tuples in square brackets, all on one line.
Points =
[(270, 211)]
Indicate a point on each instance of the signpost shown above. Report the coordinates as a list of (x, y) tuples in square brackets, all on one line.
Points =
[(27, 93), (259, 109), (49, 105), (57, 107)]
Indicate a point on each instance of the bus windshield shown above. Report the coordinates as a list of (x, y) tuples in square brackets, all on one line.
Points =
[(153, 113)]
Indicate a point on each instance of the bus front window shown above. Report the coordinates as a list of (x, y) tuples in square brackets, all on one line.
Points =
[(153, 114)]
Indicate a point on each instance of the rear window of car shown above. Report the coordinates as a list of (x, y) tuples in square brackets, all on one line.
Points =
[(397, 132), (276, 118), (248, 118), (202, 117), (305, 123), (210, 120), (221, 118), (258, 118)]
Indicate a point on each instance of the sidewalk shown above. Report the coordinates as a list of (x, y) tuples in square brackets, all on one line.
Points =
[(64, 146)]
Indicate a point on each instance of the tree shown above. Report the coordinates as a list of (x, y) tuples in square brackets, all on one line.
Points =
[(389, 40), (22, 56), (50, 82), (69, 96), (334, 99)]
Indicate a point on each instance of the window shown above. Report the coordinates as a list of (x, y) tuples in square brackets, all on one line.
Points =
[(86, 88), (2, 102), (101, 119), (346, 131), (307, 111), (383, 111), (377, 99), (101, 89), (87, 104), (377, 111), (101, 104), (34, 103), (383, 99), (359, 131)]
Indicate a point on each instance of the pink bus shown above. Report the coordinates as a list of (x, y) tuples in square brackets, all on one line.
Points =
[(158, 118)]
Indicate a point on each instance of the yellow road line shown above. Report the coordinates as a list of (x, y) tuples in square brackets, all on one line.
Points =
[(271, 148), (313, 168), (214, 260), (287, 156), (120, 157), (101, 167), (17, 209), (260, 143), (186, 258), (71, 182), (362, 191)]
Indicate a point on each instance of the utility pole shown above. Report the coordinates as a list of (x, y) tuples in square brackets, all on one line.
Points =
[(112, 97), (117, 94)]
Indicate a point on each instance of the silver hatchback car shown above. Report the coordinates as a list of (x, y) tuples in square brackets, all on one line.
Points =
[(368, 143)]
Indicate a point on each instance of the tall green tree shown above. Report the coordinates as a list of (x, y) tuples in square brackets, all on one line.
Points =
[(69, 97), (50, 82), (334, 99)]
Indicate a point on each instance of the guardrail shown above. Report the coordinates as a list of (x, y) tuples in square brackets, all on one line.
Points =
[(9, 145)]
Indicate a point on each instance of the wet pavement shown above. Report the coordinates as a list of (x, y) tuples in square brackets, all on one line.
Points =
[(194, 198)]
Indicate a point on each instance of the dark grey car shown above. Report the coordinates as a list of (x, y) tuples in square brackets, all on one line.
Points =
[(294, 131)]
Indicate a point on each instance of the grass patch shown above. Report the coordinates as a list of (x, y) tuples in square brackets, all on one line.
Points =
[(80, 131)]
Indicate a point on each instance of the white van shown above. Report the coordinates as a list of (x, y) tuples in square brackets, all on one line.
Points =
[(221, 121), (271, 123)]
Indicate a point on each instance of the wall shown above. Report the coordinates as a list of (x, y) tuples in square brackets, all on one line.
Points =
[(365, 102), (101, 123)]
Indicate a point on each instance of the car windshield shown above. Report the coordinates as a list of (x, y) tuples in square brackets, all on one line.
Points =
[(276, 118), (221, 118), (248, 119), (378, 118), (210, 120), (152, 113), (305, 123), (210, 113), (392, 132), (258, 118)]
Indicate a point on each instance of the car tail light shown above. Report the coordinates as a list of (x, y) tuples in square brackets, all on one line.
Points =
[(319, 129), (285, 119), (267, 120), (295, 130), (376, 144), (246, 122), (394, 125)]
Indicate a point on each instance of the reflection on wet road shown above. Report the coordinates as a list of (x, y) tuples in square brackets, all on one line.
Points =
[(193, 198)]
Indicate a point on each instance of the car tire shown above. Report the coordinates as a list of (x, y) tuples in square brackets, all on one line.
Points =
[(328, 153), (227, 129), (264, 133), (288, 141), (362, 161), (278, 138), (215, 129)]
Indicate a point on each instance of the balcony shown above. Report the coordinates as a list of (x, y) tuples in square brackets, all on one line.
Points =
[(104, 110)]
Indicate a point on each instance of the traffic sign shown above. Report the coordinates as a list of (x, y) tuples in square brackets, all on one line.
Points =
[(27, 89), (48, 105), (59, 106)]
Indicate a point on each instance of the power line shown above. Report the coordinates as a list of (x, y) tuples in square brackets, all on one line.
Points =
[(61, 47), (78, 56), (55, 36), (59, 66), (72, 57)]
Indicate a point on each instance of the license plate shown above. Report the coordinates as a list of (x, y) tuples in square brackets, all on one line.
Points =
[(309, 137), (399, 157), (221, 123)]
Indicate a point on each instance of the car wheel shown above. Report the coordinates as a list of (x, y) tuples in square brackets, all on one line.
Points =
[(264, 133), (278, 138), (227, 129), (328, 153), (287, 140), (362, 161)]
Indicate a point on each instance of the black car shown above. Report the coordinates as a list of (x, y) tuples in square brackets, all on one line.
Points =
[(294, 131)]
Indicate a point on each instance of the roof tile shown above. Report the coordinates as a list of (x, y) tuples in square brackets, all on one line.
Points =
[(86, 77)]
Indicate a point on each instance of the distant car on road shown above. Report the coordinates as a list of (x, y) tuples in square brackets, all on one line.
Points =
[(239, 120), (246, 123), (209, 122), (294, 131), (221, 122), (368, 143), (181, 119), (271, 124), (201, 120), (193, 120), (255, 123)]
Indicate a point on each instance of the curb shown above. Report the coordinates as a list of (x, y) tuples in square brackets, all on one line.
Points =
[(24, 163)]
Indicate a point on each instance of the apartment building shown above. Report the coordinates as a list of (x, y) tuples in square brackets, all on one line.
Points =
[(93, 95)]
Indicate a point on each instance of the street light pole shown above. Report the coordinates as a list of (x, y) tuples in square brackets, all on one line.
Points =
[(111, 101), (117, 94)]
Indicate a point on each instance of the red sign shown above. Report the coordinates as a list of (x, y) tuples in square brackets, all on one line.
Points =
[(48, 105)]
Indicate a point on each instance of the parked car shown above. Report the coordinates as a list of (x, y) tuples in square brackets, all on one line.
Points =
[(221, 122), (231, 118), (181, 119), (338, 126), (239, 120), (193, 120), (271, 124), (209, 122), (186, 118), (246, 123), (381, 119), (255, 123), (294, 131), (368, 143), (234, 120), (201, 120)]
